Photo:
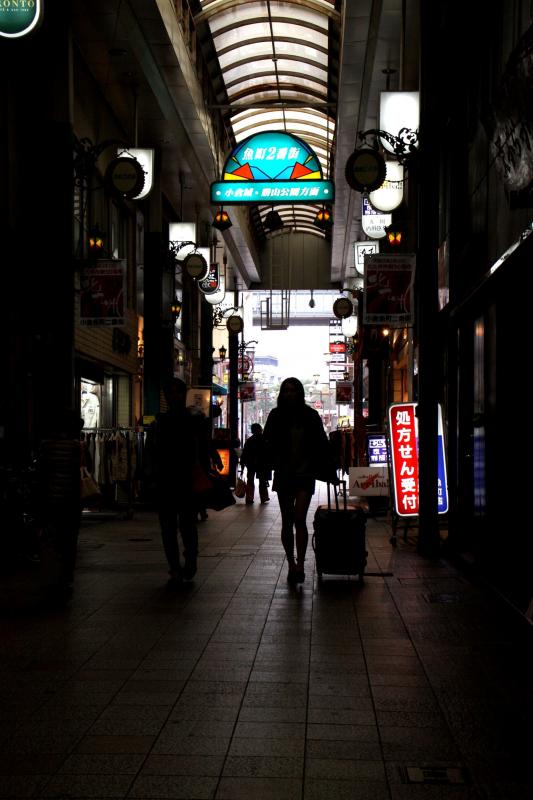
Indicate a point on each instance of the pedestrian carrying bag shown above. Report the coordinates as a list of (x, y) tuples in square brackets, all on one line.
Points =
[(240, 488)]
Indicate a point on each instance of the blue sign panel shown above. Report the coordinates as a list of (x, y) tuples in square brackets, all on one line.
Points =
[(376, 445), (272, 167)]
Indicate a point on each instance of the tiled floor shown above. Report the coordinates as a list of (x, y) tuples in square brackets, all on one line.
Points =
[(239, 686)]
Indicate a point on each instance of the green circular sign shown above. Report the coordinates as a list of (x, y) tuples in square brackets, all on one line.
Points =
[(365, 170), (19, 17)]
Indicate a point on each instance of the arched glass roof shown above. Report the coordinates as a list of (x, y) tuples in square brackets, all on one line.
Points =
[(275, 62)]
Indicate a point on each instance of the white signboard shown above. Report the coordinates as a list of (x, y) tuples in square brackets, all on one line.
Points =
[(368, 481)]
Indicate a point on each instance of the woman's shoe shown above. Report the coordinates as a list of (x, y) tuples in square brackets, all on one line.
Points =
[(292, 574)]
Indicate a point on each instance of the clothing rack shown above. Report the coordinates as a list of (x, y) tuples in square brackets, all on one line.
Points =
[(116, 454)]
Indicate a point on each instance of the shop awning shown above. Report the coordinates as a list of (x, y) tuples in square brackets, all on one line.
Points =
[(218, 389)]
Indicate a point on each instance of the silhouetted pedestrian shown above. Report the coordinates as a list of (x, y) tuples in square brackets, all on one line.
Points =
[(181, 446), (298, 450), (252, 457)]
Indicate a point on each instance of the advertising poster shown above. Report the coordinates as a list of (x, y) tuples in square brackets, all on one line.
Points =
[(103, 293), (388, 291), (344, 392), (199, 397), (247, 391)]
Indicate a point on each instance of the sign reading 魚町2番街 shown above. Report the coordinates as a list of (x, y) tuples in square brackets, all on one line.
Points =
[(272, 167), (19, 17)]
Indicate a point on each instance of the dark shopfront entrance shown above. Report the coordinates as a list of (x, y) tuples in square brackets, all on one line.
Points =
[(490, 430)]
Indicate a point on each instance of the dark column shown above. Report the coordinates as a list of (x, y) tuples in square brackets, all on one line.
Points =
[(427, 279), (154, 351), (206, 343), (36, 205)]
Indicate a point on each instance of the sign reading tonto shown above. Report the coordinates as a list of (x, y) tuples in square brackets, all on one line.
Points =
[(272, 167), (19, 17)]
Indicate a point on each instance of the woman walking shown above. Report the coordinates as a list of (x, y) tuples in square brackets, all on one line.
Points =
[(298, 450)]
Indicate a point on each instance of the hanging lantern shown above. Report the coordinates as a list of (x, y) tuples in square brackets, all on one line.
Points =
[(222, 221)]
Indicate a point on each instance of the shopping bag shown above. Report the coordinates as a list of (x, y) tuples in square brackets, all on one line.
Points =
[(89, 489), (240, 488), (219, 496)]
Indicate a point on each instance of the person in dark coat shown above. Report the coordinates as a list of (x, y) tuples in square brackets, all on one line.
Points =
[(181, 445), (253, 459), (298, 450)]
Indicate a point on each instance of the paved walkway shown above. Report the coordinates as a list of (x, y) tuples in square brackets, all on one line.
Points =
[(416, 684)]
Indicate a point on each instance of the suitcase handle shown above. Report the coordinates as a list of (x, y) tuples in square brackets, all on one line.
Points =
[(336, 493)]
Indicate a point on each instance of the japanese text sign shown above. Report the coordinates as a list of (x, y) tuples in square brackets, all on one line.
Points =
[(376, 445), (404, 451)]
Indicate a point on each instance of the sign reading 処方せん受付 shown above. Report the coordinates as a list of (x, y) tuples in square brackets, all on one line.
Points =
[(403, 433), (272, 167), (19, 17)]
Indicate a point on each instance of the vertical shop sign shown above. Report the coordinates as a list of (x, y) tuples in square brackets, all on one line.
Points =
[(388, 295), (103, 293), (403, 425), (376, 446), (19, 17)]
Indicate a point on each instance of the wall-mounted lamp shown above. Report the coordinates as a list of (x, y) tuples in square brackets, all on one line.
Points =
[(394, 233), (96, 243), (323, 219), (222, 221), (176, 307), (222, 352)]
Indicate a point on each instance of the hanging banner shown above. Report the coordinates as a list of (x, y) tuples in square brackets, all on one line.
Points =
[(103, 293), (388, 290), (403, 432)]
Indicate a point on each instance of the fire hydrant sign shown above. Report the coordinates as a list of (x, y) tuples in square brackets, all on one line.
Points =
[(404, 450)]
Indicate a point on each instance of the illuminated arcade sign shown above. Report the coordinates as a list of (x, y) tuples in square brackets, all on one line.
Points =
[(19, 17), (272, 167)]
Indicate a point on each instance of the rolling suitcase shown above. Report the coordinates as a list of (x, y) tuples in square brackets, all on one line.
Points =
[(339, 538)]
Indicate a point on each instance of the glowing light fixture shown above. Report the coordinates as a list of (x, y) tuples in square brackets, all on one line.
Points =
[(398, 111), (390, 193), (349, 326), (183, 232)]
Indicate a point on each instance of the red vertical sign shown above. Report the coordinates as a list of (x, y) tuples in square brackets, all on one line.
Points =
[(403, 436)]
